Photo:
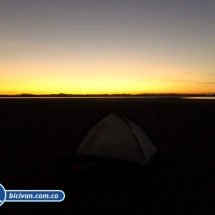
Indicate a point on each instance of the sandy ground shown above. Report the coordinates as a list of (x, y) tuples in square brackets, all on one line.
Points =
[(180, 180)]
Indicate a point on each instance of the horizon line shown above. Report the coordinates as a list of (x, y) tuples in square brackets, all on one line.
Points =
[(104, 94)]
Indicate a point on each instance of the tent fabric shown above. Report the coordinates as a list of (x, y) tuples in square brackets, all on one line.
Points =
[(120, 138)]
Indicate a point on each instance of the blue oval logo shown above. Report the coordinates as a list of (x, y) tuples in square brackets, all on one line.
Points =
[(2, 195)]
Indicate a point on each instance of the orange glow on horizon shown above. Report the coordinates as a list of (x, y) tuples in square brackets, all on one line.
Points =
[(99, 87), (96, 78)]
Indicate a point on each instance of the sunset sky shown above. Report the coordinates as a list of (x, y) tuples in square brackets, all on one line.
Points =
[(107, 46)]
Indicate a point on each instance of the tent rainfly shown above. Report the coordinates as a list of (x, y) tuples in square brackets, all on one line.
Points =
[(119, 138)]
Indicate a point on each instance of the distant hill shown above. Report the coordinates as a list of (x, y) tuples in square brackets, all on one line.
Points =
[(107, 95)]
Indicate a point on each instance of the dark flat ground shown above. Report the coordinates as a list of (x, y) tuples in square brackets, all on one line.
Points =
[(180, 180)]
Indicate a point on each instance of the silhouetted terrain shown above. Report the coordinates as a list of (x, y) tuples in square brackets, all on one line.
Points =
[(107, 95), (180, 180)]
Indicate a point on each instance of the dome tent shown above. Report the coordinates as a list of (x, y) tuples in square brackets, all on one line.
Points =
[(120, 138)]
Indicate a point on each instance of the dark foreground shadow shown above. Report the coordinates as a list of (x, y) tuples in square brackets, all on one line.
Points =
[(115, 187)]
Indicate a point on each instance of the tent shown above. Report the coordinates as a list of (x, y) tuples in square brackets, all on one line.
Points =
[(120, 138)]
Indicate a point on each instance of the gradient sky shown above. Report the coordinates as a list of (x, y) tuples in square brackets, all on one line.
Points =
[(107, 46)]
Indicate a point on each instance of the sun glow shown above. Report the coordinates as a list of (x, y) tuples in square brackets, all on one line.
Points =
[(98, 47)]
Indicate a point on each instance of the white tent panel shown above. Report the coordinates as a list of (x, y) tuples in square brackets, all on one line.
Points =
[(119, 138)]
